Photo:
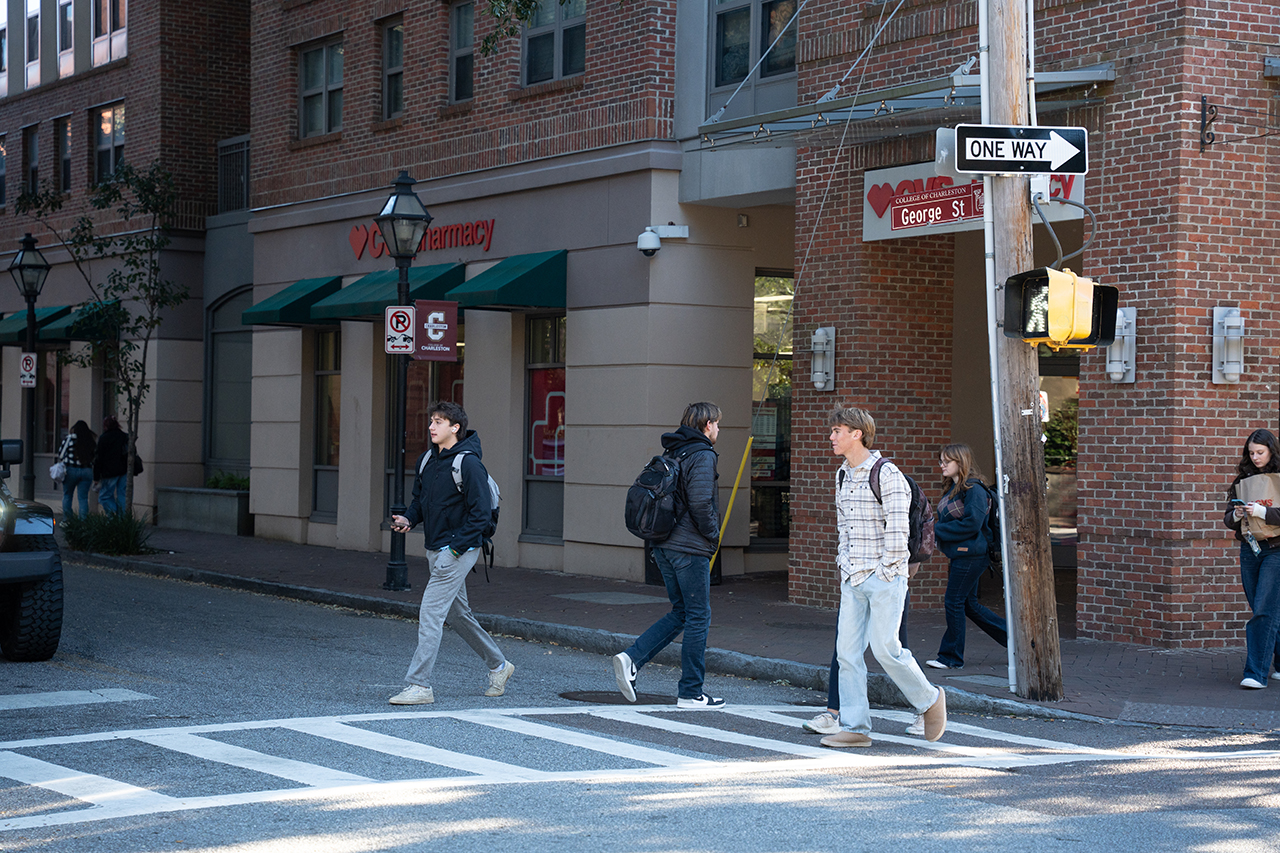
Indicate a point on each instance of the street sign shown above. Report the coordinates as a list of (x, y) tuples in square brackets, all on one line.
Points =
[(997, 149), (437, 332), (27, 370), (399, 329)]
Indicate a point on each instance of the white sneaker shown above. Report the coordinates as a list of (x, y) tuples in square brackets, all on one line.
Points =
[(498, 680), (624, 672), (413, 695), (917, 728), (823, 724), (704, 701), (1252, 684), (937, 664)]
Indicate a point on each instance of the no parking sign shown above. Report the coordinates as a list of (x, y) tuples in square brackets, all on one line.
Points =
[(27, 370), (400, 329)]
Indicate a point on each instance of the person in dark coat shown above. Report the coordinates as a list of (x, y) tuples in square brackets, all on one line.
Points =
[(110, 464), (684, 558), (1260, 571)]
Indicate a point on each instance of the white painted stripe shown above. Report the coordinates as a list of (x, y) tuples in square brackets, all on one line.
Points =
[(582, 739), (389, 745), (98, 790), (236, 756), (17, 701)]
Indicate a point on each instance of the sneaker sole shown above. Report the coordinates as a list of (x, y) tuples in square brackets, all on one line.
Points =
[(430, 701), (809, 728), (623, 678)]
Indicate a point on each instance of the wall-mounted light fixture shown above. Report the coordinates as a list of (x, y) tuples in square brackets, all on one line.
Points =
[(823, 349), (1228, 345), (1120, 355)]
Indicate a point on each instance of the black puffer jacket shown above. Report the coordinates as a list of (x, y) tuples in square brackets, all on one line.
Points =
[(112, 456), (451, 518), (697, 529)]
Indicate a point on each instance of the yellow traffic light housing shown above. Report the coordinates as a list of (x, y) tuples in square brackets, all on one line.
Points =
[(1059, 308)]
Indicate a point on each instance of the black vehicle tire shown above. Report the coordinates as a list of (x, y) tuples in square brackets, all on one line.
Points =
[(31, 613)]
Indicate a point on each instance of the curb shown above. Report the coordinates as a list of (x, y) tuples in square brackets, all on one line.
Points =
[(880, 689)]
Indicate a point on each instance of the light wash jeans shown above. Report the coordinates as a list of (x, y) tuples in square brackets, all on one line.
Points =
[(111, 493), (445, 600), (77, 481), (869, 614)]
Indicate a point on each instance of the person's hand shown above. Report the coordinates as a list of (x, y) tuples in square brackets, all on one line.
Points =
[(1257, 510), (400, 524)]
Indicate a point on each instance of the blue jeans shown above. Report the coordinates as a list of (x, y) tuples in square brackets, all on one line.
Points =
[(961, 600), (77, 480), (833, 679), (1260, 575), (688, 581), (111, 494)]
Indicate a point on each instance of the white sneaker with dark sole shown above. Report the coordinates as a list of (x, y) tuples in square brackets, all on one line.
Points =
[(624, 672), (413, 695), (703, 702), (823, 724)]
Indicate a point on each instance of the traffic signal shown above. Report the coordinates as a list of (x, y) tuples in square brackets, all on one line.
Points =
[(1059, 308)]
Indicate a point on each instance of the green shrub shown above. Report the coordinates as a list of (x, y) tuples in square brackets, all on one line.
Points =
[(223, 480), (116, 533)]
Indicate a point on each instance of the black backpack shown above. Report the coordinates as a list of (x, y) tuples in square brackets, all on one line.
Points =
[(920, 518), (650, 512), (992, 529)]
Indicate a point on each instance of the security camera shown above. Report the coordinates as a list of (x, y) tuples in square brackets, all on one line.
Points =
[(648, 243)]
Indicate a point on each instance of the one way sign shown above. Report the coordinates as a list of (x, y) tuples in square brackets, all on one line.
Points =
[(988, 148)]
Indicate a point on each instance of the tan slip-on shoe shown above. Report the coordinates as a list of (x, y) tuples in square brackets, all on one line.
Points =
[(935, 719), (844, 740)]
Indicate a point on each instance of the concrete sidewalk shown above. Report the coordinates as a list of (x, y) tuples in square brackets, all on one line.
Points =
[(755, 631)]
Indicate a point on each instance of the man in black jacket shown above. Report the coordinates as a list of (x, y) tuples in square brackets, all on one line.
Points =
[(454, 517), (684, 558)]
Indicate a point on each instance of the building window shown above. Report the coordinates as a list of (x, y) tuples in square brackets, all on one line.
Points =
[(4, 50), (62, 141), (233, 174), (108, 141), (545, 428), (230, 383), (771, 409), (744, 29), (4, 142), (427, 382), (320, 90), (33, 44), (66, 39), (392, 69), (53, 401), (324, 480), (31, 158), (109, 31), (555, 43), (462, 52)]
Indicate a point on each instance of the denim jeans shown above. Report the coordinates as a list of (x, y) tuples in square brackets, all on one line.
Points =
[(77, 480), (1260, 575), (961, 600), (833, 679), (445, 600), (869, 614), (111, 494), (688, 580)]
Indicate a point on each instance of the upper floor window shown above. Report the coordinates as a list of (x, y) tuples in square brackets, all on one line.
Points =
[(555, 43), (4, 50), (33, 44), (461, 52), (66, 39), (109, 141), (392, 69), (3, 167), (62, 142), (109, 30), (31, 158), (320, 89), (744, 30)]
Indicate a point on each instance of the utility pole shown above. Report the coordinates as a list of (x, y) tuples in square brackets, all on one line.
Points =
[(1033, 622)]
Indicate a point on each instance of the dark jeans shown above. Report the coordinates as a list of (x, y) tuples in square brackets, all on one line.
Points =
[(833, 680), (961, 600), (688, 581), (1260, 575)]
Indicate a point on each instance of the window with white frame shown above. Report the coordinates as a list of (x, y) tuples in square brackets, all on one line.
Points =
[(31, 158), (392, 69), (108, 141), (320, 89), (110, 33), (4, 50), (743, 31), (32, 77), (66, 39), (555, 42), (3, 168), (462, 39), (62, 146)]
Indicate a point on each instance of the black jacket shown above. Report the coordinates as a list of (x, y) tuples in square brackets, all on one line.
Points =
[(112, 457), (451, 518), (697, 529)]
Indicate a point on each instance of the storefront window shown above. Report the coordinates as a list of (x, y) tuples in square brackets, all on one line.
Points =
[(230, 386), (545, 427), (771, 410), (53, 402), (328, 372), (1059, 402)]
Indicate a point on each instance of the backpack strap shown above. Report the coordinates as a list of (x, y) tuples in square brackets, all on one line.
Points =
[(873, 479), (457, 468)]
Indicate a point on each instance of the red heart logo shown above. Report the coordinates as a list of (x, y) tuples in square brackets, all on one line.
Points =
[(358, 237), (880, 195)]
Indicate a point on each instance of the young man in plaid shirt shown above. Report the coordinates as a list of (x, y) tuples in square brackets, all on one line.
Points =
[(872, 558)]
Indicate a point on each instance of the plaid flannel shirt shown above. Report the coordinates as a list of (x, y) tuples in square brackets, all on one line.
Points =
[(872, 537)]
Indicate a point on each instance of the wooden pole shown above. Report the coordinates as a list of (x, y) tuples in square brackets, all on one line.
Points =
[(1034, 621)]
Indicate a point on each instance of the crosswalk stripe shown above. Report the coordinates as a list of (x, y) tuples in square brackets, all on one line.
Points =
[(236, 756), (19, 701), (389, 745), (88, 787)]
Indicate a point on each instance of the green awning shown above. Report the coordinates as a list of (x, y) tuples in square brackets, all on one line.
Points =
[(292, 306), (369, 297), (13, 329), (521, 281), (64, 328)]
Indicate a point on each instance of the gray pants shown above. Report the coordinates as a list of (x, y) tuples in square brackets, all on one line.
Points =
[(445, 599)]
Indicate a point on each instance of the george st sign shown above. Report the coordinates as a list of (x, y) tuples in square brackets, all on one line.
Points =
[(999, 149)]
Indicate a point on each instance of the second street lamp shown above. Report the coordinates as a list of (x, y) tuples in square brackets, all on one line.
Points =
[(403, 221), (29, 270)]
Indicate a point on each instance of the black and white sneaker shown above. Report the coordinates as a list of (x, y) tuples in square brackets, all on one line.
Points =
[(624, 672), (704, 702)]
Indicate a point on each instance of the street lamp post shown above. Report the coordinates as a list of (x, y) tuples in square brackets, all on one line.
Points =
[(29, 269), (403, 221)]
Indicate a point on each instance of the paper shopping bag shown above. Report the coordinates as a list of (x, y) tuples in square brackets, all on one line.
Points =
[(1263, 489)]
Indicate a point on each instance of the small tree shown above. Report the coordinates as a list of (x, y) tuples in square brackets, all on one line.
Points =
[(128, 307)]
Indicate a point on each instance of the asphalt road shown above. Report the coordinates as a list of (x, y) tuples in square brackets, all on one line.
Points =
[(182, 717)]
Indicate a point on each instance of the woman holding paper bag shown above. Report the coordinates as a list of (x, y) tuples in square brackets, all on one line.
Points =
[(1254, 514)]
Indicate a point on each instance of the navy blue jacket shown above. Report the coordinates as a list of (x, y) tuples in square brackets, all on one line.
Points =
[(961, 520), (697, 529), (449, 518)]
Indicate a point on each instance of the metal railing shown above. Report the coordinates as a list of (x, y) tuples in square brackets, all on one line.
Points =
[(233, 174)]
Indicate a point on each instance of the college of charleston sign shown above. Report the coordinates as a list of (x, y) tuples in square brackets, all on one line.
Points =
[(367, 238)]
